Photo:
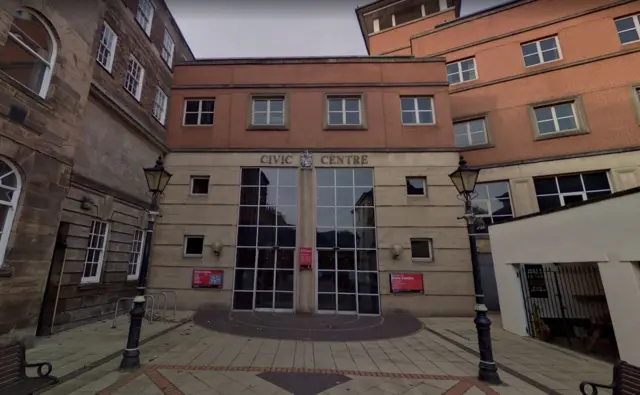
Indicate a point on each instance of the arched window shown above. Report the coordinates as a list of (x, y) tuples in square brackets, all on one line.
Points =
[(9, 194), (30, 52)]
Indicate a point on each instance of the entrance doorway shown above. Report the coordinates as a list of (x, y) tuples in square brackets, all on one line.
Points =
[(346, 255), (266, 242)]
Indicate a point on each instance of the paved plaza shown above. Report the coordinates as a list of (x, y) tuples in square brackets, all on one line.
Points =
[(437, 360)]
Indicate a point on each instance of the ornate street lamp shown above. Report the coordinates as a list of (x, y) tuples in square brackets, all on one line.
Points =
[(464, 179), (157, 179)]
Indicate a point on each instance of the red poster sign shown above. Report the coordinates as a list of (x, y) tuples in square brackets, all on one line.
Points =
[(306, 258), (206, 279), (406, 282)]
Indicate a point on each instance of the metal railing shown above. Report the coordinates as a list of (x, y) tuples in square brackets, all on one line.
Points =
[(151, 308)]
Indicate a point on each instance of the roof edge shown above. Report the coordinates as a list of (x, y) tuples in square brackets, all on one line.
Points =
[(311, 60)]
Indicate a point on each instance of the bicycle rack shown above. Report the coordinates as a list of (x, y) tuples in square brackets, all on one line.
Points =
[(175, 301), (115, 314), (164, 306)]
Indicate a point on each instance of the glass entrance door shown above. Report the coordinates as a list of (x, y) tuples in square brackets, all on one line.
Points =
[(347, 262), (264, 270)]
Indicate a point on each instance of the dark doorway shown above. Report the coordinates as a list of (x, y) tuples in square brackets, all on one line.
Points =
[(48, 309), (489, 286)]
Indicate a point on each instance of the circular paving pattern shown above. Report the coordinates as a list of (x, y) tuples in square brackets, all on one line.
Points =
[(311, 327)]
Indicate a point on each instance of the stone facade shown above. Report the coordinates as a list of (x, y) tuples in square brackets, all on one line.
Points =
[(447, 279), (41, 148), (118, 137)]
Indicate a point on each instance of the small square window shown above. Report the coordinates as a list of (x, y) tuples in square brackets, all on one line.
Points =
[(470, 133), (416, 186), (556, 118), (541, 51), (193, 245), (198, 112), (267, 111), (417, 110), (421, 249), (462, 71), (628, 29), (200, 185), (344, 111)]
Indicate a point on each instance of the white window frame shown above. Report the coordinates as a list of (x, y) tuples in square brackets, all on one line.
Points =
[(555, 118), (102, 249), (416, 112), (583, 194), (139, 80), (539, 51), (109, 46), (192, 179), (459, 71), (48, 71), (168, 48), (159, 110), (636, 24), (430, 244), (135, 256), (268, 112), (343, 110), (199, 112), (145, 14), (422, 179), (12, 206), (184, 248), (468, 132)]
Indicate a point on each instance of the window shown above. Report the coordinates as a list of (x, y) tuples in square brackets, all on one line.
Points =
[(554, 192), (135, 256), (168, 47), (198, 112), (464, 70), (416, 186), (199, 185), (95, 252), (160, 106), (267, 111), (492, 203), (107, 47), (144, 16), (10, 185), (628, 29), (542, 51), (470, 133), (133, 79), (421, 249), (344, 111), (417, 110), (193, 246), (29, 53), (556, 118)]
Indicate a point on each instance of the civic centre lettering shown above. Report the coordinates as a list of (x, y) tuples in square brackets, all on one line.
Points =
[(344, 159), (276, 159)]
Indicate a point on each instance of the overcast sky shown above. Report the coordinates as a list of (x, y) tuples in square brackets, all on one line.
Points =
[(270, 28)]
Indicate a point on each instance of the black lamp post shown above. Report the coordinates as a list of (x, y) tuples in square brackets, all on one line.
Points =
[(157, 179), (464, 179)]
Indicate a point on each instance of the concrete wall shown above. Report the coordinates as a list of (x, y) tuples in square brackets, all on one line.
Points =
[(447, 279), (601, 232)]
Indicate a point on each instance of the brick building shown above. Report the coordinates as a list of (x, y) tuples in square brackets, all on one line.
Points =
[(85, 90)]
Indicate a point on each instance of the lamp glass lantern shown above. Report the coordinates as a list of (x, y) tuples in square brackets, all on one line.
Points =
[(464, 178), (157, 177)]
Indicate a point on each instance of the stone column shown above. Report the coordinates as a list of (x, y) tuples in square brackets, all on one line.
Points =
[(621, 282), (305, 287)]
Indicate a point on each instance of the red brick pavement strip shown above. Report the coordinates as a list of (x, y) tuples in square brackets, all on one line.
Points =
[(152, 371)]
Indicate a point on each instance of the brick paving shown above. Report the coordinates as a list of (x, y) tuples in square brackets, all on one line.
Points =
[(438, 360)]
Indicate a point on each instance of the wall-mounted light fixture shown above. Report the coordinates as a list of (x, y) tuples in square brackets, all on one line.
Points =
[(217, 248), (396, 251), (86, 203)]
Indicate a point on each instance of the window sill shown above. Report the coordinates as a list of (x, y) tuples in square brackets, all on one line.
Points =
[(556, 135), (6, 272), (91, 286), (476, 147), (110, 72), (192, 256), (133, 96), (418, 125), (268, 127), (463, 83), (28, 92), (344, 127), (421, 260), (542, 65), (198, 126)]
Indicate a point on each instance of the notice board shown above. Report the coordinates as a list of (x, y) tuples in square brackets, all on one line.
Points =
[(206, 278), (406, 283)]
